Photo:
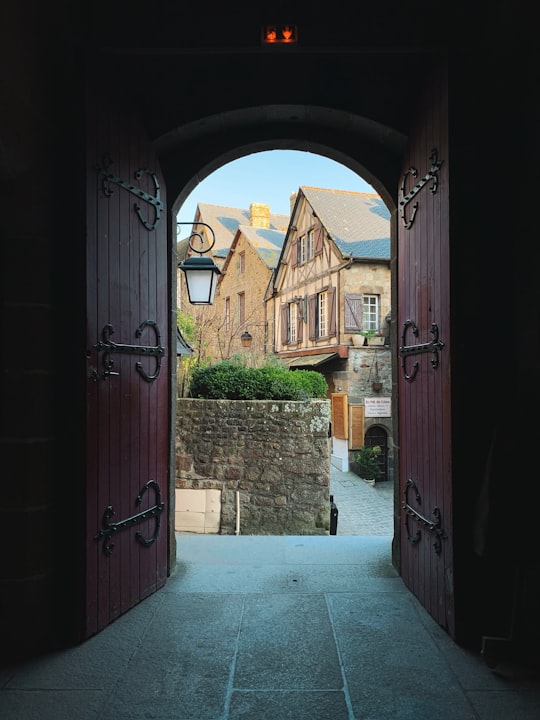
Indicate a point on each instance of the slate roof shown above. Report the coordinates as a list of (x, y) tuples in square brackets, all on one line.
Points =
[(267, 243), (358, 223), (225, 221)]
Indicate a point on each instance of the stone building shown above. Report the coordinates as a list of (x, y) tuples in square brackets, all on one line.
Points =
[(331, 285)]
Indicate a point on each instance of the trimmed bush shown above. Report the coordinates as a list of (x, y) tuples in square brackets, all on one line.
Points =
[(229, 380)]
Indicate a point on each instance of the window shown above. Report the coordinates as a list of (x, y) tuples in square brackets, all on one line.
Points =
[(292, 330), (310, 247), (322, 309), (293, 322), (362, 312), (322, 314), (305, 248), (301, 249), (242, 262), (370, 312), (241, 308), (227, 314)]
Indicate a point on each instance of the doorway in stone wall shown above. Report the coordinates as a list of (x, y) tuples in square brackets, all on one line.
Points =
[(376, 436), (197, 511)]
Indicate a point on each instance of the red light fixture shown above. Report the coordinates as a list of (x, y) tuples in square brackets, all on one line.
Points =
[(279, 34)]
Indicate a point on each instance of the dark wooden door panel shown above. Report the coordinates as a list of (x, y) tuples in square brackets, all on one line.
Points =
[(424, 382), (127, 409)]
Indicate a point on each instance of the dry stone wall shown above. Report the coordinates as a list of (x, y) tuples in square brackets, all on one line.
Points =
[(274, 454)]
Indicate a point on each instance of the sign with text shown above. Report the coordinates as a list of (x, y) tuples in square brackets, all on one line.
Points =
[(378, 407)]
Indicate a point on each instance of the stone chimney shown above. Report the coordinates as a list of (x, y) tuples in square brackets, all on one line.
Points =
[(259, 215), (292, 200)]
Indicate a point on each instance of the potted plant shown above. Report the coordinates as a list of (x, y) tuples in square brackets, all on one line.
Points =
[(376, 339), (369, 466), (362, 337)]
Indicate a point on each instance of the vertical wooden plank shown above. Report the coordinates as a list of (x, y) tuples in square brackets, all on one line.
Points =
[(92, 509), (356, 426), (340, 423), (128, 423), (424, 414)]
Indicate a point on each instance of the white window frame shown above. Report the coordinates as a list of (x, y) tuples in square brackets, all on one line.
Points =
[(293, 322), (322, 311), (310, 245), (370, 312)]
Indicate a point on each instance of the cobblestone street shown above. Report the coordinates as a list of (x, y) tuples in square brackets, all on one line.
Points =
[(363, 509)]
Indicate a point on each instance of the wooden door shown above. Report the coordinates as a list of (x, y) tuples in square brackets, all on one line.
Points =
[(427, 562), (127, 355)]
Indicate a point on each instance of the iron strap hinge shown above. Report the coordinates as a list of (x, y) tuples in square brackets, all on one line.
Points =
[(433, 526), (434, 347), (406, 197), (154, 200), (110, 529), (109, 348)]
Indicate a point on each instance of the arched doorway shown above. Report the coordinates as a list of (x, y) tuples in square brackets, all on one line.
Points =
[(376, 147), (377, 435)]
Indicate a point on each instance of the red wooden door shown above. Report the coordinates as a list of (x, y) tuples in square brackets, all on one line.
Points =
[(424, 361), (127, 355)]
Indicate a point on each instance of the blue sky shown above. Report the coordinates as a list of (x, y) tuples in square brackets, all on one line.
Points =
[(270, 178)]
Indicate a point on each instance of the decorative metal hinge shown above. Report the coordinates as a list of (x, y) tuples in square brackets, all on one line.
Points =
[(154, 200), (434, 526), (109, 528), (109, 347), (405, 198), (431, 347)]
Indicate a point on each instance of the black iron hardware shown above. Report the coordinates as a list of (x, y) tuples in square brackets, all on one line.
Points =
[(434, 526), (405, 198), (334, 512), (109, 347), (154, 200), (431, 347), (109, 528)]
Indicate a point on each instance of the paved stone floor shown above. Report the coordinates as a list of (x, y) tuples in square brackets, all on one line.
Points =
[(276, 628), (363, 509)]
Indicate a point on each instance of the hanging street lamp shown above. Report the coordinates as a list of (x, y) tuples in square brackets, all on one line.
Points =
[(201, 272)]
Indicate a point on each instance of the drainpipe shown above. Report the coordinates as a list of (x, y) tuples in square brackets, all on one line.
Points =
[(237, 531)]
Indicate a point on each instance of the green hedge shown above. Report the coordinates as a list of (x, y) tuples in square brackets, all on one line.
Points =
[(230, 380)]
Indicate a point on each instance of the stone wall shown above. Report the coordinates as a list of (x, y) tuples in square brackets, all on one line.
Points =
[(275, 454)]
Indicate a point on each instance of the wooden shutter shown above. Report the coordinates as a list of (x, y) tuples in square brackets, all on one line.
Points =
[(284, 334), (319, 238), (294, 253), (340, 424), (312, 317), (331, 311), (353, 312), (300, 322), (356, 426)]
